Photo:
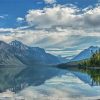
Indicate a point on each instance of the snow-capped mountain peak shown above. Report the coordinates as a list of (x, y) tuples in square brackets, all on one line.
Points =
[(18, 45)]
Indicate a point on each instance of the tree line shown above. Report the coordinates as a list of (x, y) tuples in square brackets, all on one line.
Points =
[(94, 61)]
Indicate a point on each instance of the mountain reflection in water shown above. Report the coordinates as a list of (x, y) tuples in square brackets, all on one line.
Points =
[(18, 78)]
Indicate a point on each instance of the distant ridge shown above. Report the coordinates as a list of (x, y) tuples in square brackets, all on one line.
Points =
[(86, 54)]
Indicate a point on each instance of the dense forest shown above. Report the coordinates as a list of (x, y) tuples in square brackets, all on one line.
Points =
[(94, 61)]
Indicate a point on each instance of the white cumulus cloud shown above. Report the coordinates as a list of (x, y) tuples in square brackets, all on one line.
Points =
[(49, 1), (65, 17), (20, 19)]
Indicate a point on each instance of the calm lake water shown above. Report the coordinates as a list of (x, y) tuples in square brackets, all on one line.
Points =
[(48, 83)]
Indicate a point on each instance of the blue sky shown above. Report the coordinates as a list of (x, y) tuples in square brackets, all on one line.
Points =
[(65, 26)]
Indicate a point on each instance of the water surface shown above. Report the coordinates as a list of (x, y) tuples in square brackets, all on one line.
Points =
[(45, 82)]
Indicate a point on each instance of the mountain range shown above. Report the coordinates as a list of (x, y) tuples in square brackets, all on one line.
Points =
[(83, 55), (86, 53), (17, 53)]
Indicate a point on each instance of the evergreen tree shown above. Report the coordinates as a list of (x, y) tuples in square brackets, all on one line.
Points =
[(94, 61)]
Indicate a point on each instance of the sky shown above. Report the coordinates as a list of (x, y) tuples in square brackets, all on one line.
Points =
[(61, 27)]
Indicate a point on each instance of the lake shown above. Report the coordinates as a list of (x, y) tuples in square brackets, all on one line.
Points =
[(48, 83)]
